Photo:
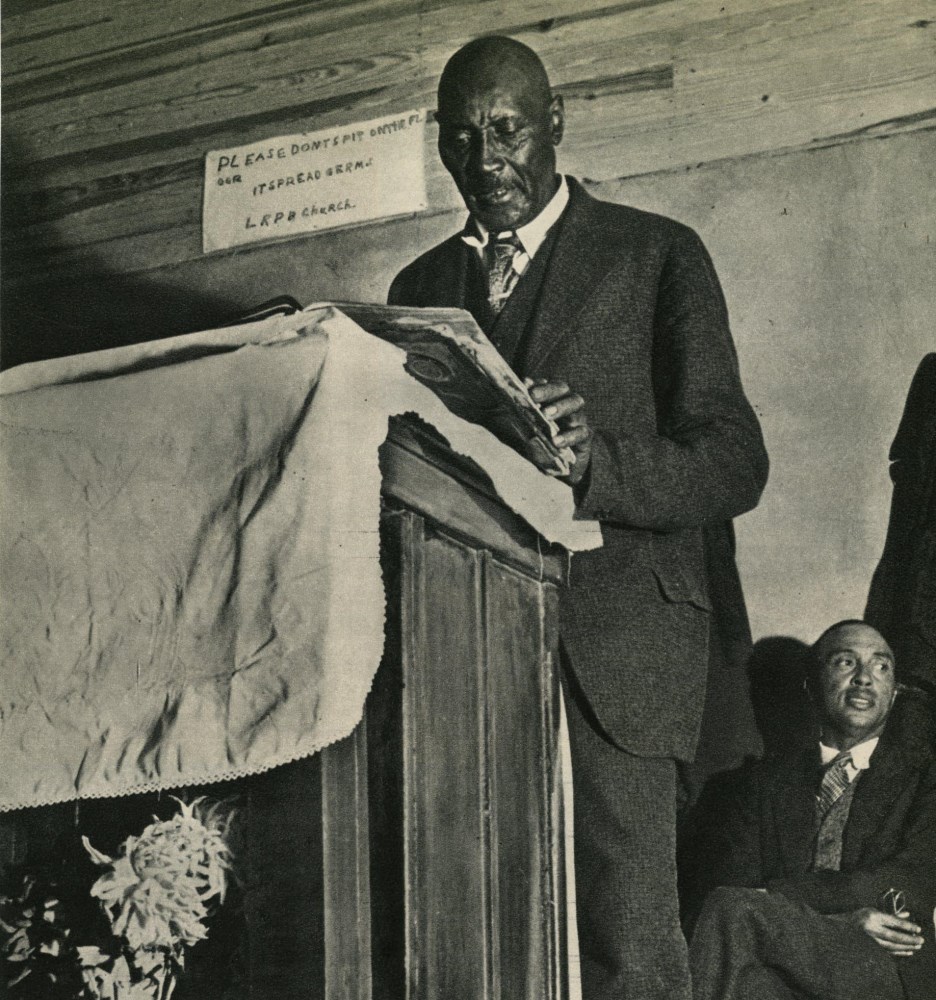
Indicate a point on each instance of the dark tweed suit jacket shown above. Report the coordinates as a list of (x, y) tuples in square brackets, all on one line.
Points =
[(764, 837), (631, 315)]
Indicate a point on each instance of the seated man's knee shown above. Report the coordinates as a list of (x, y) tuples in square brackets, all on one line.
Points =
[(733, 905), (735, 897)]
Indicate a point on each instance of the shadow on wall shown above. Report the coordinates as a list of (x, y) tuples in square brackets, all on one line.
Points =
[(94, 308), (777, 671)]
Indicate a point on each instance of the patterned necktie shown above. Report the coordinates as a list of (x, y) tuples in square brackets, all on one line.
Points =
[(499, 256), (834, 782)]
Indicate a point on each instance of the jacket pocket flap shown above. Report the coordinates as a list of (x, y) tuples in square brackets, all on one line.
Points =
[(676, 582)]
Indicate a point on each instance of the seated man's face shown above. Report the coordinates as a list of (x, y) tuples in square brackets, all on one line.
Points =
[(856, 685)]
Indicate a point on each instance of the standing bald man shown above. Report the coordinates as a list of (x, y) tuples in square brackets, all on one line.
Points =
[(617, 319)]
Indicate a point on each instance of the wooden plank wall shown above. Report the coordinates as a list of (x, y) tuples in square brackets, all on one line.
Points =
[(110, 105)]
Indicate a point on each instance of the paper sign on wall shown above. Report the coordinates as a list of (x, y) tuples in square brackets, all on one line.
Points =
[(304, 183)]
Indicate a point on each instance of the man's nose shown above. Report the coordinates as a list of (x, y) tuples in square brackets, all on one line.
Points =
[(487, 155), (862, 675)]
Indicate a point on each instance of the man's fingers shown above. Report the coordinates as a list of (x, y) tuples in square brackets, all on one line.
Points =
[(897, 938), (573, 436), (896, 951), (567, 408), (564, 407), (897, 923), (893, 933), (544, 391)]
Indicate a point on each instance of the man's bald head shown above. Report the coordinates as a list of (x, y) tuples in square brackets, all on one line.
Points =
[(499, 124), (500, 57)]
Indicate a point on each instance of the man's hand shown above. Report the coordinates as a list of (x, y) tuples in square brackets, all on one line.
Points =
[(897, 935), (559, 403)]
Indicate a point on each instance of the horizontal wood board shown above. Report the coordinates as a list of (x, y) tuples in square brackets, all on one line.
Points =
[(110, 107)]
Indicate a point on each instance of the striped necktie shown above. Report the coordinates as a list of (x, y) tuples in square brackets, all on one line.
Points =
[(499, 256), (834, 782)]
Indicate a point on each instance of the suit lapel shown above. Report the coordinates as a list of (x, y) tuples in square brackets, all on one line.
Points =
[(877, 791), (795, 814), (447, 282), (579, 261)]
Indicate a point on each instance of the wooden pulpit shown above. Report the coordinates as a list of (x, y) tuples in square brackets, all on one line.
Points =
[(442, 826), (421, 857)]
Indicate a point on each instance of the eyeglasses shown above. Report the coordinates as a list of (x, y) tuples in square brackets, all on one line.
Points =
[(893, 902)]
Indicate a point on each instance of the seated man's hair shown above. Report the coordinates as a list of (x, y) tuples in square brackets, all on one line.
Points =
[(815, 661), (837, 625)]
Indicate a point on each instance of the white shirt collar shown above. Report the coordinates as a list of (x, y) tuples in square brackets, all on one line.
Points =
[(531, 235), (860, 754)]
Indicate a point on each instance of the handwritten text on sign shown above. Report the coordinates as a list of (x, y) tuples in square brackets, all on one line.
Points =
[(317, 180)]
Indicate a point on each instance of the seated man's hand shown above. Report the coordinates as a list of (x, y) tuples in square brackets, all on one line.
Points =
[(559, 403), (898, 934)]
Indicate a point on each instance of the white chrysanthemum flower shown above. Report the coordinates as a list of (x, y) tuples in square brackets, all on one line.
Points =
[(155, 893)]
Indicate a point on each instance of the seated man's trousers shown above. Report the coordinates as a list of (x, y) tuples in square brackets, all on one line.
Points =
[(753, 945)]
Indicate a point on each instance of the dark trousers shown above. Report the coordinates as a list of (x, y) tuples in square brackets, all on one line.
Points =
[(630, 941), (753, 945)]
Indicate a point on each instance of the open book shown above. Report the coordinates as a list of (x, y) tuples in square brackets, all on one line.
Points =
[(447, 351)]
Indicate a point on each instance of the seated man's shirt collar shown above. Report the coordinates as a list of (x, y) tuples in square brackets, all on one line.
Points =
[(531, 235), (860, 755)]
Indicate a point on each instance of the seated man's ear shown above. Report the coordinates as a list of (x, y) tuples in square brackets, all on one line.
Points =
[(809, 688)]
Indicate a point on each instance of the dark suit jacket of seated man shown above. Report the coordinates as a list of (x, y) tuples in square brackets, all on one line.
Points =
[(619, 323), (809, 906)]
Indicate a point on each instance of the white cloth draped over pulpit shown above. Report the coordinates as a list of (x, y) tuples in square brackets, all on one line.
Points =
[(189, 552)]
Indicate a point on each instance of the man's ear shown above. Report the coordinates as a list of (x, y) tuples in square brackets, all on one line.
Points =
[(809, 688), (556, 119)]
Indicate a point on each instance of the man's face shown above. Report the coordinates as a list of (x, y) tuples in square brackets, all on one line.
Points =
[(856, 685), (497, 138)]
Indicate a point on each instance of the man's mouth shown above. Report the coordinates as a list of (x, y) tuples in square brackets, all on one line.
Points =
[(859, 701), (495, 196)]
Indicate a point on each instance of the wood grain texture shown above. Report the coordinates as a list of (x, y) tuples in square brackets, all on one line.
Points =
[(110, 107), (447, 791), (346, 868), (522, 737), (479, 748)]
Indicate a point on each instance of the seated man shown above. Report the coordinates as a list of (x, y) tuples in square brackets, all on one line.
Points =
[(826, 859)]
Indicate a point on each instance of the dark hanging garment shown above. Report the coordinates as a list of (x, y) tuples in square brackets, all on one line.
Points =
[(902, 599)]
